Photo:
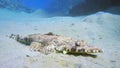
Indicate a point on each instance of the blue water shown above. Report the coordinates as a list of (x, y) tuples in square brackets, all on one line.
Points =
[(37, 4)]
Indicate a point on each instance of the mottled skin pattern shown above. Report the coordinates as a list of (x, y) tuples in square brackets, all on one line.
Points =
[(49, 43)]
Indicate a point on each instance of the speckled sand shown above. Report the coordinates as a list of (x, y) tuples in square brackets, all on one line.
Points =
[(100, 29)]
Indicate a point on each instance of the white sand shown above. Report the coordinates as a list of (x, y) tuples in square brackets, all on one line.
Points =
[(100, 29)]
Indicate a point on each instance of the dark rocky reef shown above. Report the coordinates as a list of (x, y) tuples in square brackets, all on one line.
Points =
[(91, 6)]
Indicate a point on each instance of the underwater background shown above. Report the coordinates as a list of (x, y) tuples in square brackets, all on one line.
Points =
[(61, 7), (96, 21)]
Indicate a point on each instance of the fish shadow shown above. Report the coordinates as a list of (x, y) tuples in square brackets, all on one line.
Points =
[(83, 54)]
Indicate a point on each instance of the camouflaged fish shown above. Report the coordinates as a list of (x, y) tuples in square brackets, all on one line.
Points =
[(49, 43)]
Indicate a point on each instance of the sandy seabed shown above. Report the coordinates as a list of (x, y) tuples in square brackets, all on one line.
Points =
[(100, 29)]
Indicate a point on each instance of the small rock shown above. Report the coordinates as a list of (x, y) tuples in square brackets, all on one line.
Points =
[(35, 29), (100, 37), (27, 56), (49, 33), (113, 61), (72, 24)]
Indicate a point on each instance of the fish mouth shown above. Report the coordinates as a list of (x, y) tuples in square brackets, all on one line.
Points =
[(83, 50), (94, 51)]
